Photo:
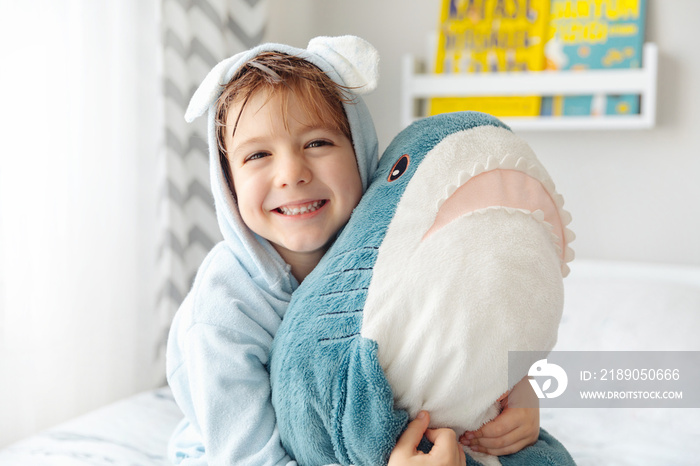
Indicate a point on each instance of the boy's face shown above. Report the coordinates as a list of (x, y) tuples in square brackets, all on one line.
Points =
[(296, 185)]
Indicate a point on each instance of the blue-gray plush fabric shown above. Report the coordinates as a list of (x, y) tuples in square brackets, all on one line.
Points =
[(331, 396)]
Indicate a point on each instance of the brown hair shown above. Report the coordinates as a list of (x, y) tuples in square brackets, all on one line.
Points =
[(321, 98)]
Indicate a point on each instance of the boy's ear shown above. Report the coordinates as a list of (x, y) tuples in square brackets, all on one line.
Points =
[(211, 87), (353, 58)]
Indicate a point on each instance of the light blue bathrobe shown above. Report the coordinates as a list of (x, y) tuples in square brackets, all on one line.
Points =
[(220, 339)]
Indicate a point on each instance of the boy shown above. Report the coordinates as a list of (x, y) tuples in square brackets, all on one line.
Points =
[(292, 148)]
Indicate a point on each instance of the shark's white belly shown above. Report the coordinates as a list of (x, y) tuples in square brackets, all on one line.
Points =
[(446, 309), (445, 321)]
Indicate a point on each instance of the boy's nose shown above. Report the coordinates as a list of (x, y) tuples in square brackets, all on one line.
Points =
[(293, 171)]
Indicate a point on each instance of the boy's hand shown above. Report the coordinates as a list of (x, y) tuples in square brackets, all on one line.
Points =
[(516, 427), (446, 450)]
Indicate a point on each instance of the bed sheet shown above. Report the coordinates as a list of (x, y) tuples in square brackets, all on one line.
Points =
[(614, 306), (131, 432)]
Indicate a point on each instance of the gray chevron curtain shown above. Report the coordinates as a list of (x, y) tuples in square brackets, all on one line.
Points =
[(197, 34)]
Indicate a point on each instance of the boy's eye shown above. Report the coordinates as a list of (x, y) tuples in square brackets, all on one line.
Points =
[(256, 156), (318, 143)]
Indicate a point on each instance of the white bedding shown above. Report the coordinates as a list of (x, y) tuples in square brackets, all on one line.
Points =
[(629, 307), (609, 306), (132, 432)]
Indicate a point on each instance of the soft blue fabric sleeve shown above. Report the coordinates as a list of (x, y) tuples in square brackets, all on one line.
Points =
[(217, 355)]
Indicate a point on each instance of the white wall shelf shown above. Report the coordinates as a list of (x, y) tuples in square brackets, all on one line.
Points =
[(419, 87)]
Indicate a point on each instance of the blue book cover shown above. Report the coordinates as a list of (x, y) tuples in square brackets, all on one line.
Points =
[(594, 34)]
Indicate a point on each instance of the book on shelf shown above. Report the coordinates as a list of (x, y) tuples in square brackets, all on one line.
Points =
[(594, 34), (482, 36)]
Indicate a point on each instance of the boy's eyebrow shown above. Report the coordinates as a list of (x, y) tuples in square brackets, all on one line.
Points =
[(237, 147)]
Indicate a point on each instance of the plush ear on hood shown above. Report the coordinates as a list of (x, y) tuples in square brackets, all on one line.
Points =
[(353, 59), (211, 87)]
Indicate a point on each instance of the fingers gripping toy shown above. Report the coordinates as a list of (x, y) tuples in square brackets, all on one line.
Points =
[(454, 256)]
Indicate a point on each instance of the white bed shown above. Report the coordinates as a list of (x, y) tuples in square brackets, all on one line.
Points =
[(609, 306), (629, 307), (131, 432)]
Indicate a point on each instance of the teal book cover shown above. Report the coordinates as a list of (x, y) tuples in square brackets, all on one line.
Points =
[(594, 34)]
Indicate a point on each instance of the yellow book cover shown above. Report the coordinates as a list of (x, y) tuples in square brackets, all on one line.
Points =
[(478, 36)]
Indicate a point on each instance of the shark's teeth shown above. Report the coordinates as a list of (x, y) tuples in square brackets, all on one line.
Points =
[(549, 185), (538, 215), (478, 169), (521, 164), (569, 235), (463, 178), (450, 189), (492, 163), (558, 200), (508, 162), (510, 210), (553, 236), (535, 172), (533, 169), (557, 248), (565, 270), (568, 254), (565, 217)]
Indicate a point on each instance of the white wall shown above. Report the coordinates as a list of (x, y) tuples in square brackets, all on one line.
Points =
[(634, 195)]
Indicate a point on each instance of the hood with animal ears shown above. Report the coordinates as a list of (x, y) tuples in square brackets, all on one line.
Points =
[(349, 61)]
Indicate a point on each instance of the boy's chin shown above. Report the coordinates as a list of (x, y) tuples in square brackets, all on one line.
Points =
[(306, 249), (310, 243)]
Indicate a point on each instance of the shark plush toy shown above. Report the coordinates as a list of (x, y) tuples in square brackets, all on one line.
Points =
[(454, 256)]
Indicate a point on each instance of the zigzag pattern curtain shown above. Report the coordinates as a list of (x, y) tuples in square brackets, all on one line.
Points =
[(197, 34)]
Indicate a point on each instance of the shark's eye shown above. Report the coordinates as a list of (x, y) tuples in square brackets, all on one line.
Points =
[(399, 168)]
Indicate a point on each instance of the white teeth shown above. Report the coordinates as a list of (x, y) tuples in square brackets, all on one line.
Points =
[(491, 163), (559, 200), (569, 235), (557, 248), (477, 170), (534, 171), (565, 217), (298, 210), (549, 185), (463, 178), (568, 254), (539, 215), (521, 164), (565, 270), (508, 162)]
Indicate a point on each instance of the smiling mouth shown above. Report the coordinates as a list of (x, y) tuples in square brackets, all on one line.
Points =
[(302, 208)]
